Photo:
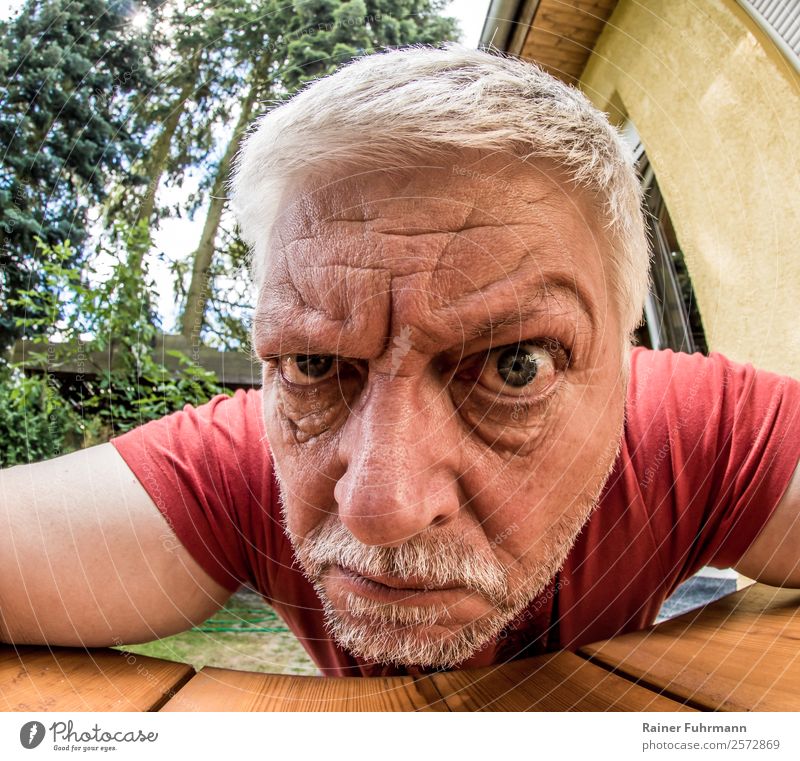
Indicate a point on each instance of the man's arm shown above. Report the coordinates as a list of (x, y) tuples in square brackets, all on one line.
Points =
[(774, 557), (86, 558)]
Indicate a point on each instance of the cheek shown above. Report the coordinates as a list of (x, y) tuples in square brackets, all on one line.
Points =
[(308, 471), (521, 501), (511, 431)]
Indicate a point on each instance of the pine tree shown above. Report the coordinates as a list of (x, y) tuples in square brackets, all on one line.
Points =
[(71, 68)]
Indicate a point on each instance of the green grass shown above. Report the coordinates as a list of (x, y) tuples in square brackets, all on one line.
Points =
[(246, 634)]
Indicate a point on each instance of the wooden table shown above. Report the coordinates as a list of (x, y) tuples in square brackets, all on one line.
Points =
[(740, 653)]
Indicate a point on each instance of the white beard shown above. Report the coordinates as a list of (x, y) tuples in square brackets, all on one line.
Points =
[(425, 635)]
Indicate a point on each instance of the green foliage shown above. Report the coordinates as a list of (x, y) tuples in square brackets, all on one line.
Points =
[(316, 36), (197, 78), (98, 318), (226, 323), (35, 421), (70, 70)]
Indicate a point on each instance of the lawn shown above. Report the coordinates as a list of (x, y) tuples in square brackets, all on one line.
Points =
[(246, 634)]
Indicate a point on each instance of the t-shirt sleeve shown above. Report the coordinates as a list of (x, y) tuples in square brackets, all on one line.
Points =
[(208, 470), (714, 443)]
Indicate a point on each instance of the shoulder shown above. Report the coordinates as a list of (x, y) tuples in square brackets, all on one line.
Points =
[(690, 392), (236, 419), (654, 371), (712, 437), (709, 446), (223, 433), (695, 389)]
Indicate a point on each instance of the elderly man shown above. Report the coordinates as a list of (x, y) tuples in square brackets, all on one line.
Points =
[(457, 457)]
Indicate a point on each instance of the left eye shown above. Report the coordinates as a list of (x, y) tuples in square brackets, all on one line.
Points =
[(307, 369), (520, 369)]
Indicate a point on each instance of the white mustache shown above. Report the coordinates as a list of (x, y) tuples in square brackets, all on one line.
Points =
[(439, 558)]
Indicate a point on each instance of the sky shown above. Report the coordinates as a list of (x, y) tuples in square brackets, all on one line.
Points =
[(470, 14)]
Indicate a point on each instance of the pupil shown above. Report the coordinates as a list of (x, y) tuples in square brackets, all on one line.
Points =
[(517, 367), (314, 365)]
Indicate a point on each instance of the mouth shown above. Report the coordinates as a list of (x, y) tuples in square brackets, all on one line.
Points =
[(385, 588)]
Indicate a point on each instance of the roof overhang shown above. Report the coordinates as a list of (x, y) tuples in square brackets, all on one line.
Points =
[(559, 35)]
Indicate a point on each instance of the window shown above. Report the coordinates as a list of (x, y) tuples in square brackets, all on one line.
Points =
[(672, 319)]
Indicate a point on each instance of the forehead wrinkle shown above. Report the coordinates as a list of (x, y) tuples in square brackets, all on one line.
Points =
[(287, 319), (325, 218), (394, 234), (414, 251), (351, 246), (530, 256), (313, 332), (552, 286), (518, 302)]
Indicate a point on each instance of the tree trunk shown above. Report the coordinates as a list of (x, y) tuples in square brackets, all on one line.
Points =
[(199, 292), (159, 155), (160, 151)]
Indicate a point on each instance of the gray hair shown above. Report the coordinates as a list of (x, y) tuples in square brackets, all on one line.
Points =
[(421, 100)]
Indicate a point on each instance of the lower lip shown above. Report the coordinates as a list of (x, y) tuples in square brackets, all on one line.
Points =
[(382, 593)]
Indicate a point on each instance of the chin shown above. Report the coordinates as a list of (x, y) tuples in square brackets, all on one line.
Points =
[(433, 602), (427, 631)]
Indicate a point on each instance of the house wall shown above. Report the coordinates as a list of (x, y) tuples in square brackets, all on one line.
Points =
[(718, 111)]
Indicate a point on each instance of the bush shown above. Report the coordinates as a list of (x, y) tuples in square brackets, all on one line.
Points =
[(42, 416), (36, 422)]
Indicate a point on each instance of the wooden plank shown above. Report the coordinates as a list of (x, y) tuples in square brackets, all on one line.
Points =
[(72, 679), (581, 29), (558, 682), (557, 52), (737, 654), (216, 689)]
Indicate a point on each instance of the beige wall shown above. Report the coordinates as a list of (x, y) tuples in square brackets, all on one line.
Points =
[(718, 111)]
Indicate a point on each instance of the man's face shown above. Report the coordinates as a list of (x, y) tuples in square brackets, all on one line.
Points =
[(443, 395)]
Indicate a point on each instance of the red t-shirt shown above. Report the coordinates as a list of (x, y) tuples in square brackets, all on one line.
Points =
[(709, 448)]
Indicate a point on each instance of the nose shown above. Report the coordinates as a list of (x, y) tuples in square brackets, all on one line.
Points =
[(400, 448)]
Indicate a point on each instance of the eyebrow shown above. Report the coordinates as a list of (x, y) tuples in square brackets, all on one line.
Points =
[(537, 303), (354, 344), (564, 287)]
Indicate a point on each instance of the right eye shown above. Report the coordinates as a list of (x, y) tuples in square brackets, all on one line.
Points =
[(308, 369)]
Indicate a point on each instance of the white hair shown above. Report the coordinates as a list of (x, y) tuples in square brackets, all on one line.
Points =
[(418, 101)]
